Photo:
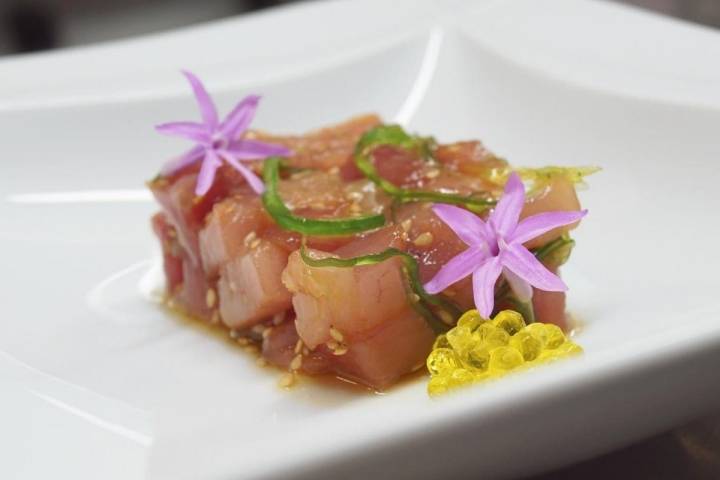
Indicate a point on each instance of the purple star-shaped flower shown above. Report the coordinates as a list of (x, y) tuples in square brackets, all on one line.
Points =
[(217, 141), (496, 247)]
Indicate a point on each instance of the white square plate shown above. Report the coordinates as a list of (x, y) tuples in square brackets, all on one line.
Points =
[(98, 382)]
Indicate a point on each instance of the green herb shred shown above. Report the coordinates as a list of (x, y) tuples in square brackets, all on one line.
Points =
[(308, 226), (410, 269), (396, 136)]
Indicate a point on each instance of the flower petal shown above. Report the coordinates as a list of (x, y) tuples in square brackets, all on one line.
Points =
[(522, 289), (466, 225), (255, 183), (536, 225), (207, 173), (205, 103), (256, 150), (524, 264), (189, 157), (239, 119), (484, 280), (194, 131), (504, 217), (457, 268)]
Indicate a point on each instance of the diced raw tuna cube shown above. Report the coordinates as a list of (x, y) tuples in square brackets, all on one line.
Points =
[(228, 225), (469, 158), (250, 289), (559, 194), (327, 147), (366, 306), (279, 348), (172, 252), (549, 307), (192, 294)]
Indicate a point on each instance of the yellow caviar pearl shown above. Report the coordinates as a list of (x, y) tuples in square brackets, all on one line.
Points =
[(477, 350), (438, 385), (470, 320), (554, 336), (538, 331), (505, 358), (441, 342), (481, 377), (510, 321), (460, 338), (477, 358), (491, 335), (527, 344), (547, 356), (461, 377), (442, 361), (568, 348)]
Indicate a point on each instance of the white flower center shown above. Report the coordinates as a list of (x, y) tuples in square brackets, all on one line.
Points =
[(501, 243), (218, 141)]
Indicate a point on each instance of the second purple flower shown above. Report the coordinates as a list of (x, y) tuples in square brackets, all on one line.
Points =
[(496, 247)]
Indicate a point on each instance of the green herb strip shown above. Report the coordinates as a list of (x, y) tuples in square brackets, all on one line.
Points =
[(557, 251), (308, 226), (410, 269), (396, 136)]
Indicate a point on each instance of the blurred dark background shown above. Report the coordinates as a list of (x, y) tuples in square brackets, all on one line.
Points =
[(34, 25)]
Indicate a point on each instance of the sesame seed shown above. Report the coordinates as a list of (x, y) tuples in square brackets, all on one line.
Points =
[(341, 350), (255, 243), (261, 362), (415, 298), (296, 363), (355, 208), (445, 317), (334, 170), (258, 329), (250, 237), (332, 345), (172, 233), (234, 334), (355, 196), (306, 351), (298, 346), (243, 341), (336, 334), (210, 298), (433, 173), (266, 333), (406, 224), (286, 380), (423, 240)]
